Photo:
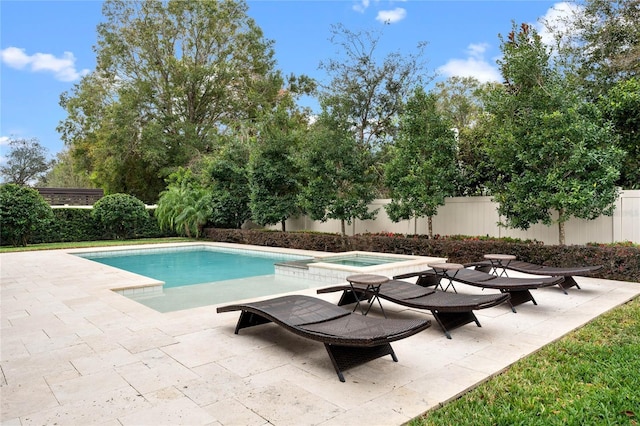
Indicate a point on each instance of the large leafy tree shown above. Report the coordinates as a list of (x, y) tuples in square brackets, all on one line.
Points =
[(273, 169), (367, 92), (338, 173), (460, 100), (422, 170), (601, 40), (227, 178), (550, 148), (170, 77), (26, 161), (621, 105), (63, 174)]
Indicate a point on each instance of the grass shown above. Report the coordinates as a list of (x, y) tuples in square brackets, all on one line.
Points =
[(105, 243), (589, 377)]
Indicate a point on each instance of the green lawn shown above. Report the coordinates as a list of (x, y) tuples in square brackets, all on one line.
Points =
[(105, 243), (589, 377)]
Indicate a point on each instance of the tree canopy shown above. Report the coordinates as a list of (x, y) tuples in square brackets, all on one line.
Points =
[(170, 77), (274, 173), (26, 161), (367, 92), (422, 170), (601, 42), (551, 149), (339, 179)]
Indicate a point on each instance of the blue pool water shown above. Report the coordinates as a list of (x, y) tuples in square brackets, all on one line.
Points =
[(361, 261), (187, 267)]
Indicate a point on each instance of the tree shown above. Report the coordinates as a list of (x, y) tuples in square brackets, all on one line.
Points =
[(339, 179), (461, 101), (550, 148), (170, 77), (273, 170), (227, 178), (23, 212), (26, 161), (601, 41), (422, 170), (364, 92), (621, 106), (185, 206), (64, 175)]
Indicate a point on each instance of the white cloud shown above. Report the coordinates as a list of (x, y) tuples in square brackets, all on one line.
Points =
[(4, 140), (477, 50), (64, 68), (557, 20), (391, 16), (361, 6), (473, 66)]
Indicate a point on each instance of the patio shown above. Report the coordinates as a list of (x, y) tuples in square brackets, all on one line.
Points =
[(75, 352)]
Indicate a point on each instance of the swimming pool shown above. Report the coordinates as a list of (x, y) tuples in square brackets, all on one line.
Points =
[(360, 260), (186, 278), (200, 275), (192, 265)]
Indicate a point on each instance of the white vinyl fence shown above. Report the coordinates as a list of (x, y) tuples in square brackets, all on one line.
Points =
[(476, 216)]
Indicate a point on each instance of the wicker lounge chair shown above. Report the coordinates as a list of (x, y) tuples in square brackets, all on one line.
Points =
[(350, 339), (531, 268), (518, 288), (451, 310)]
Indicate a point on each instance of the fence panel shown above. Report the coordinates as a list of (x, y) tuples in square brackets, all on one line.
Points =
[(478, 216), (71, 196)]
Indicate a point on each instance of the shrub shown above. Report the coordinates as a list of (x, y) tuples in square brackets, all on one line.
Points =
[(120, 215), (23, 212), (619, 262), (70, 224)]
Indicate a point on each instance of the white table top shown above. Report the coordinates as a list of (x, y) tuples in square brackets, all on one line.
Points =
[(446, 266), (367, 279), (499, 256)]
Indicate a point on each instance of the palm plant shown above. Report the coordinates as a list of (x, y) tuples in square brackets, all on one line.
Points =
[(184, 207)]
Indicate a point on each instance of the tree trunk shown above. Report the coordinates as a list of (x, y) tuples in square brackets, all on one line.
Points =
[(430, 222), (561, 227), (284, 226), (342, 227)]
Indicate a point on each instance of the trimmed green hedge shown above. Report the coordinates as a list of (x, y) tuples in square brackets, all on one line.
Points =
[(72, 224), (619, 262)]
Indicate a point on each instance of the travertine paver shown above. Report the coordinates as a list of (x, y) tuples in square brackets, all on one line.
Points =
[(75, 352)]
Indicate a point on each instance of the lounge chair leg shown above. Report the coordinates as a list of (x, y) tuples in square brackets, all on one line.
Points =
[(568, 283), (345, 357), (519, 297), (249, 319), (451, 320)]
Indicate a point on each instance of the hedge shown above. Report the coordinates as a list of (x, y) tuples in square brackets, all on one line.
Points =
[(72, 224), (619, 262)]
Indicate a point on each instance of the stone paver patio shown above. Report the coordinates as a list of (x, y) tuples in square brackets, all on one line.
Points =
[(75, 352)]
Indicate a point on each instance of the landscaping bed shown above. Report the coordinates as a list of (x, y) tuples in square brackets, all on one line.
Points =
[(620, 262)]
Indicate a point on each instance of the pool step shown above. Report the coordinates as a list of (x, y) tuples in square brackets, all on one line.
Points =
[(297, 264)]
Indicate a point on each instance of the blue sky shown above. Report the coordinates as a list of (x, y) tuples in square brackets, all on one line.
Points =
[(46, 46)]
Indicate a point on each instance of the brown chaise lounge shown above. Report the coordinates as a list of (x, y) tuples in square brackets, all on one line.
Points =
[(517, 288), (531, 268), (350, 339), (451, 310)]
